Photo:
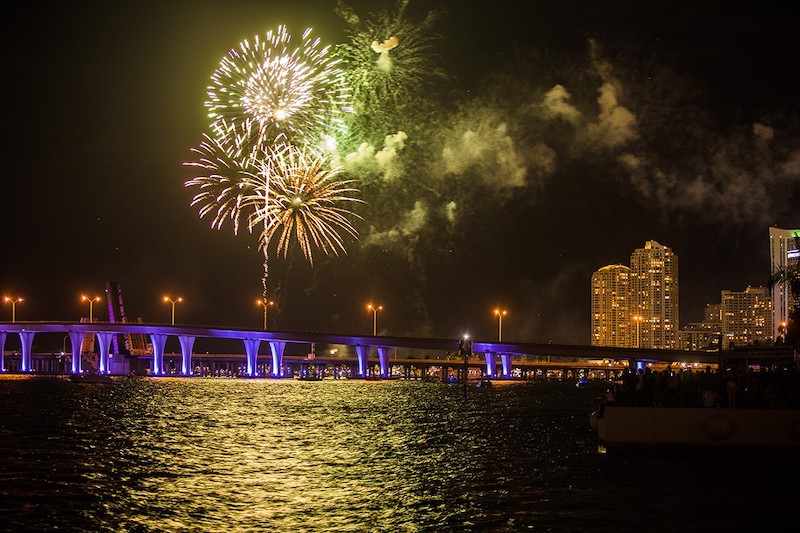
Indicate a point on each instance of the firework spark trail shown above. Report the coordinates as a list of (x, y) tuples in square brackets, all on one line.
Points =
[(293, 196), (230, 189), (264, 98), (228, 184), (267, 99), (306, 203), (267, 93)]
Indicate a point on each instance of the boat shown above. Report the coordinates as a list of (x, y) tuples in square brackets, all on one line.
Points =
[(91, 377), (691, 430)]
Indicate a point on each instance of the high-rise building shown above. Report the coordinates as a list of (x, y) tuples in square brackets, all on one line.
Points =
[(784, 251), (699, 336), (654, 280), (637, 306), (611, 313), (746, 317)]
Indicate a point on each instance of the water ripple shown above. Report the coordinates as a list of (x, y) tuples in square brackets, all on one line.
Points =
[(225, 455)]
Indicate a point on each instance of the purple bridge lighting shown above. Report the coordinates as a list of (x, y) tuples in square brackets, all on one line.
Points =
[(278, 340)]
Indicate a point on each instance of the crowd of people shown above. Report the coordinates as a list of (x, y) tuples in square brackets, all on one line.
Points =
[(768, 387)]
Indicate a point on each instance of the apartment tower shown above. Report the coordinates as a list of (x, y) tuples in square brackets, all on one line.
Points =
[(654, 300), (611, 302), (746, 317)]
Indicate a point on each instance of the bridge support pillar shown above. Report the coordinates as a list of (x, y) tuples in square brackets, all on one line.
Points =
[(3, 335), (159, 341), (491, 364), (26, 339), (277, 348), (187, 345), (105, 347), (75, 340), (505, 359), (362, 354), (383, 360), (251, 349)]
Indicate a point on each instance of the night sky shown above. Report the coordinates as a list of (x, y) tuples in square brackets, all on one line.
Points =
[(564, 135)]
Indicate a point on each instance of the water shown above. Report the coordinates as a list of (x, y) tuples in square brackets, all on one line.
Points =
[(219, 455)]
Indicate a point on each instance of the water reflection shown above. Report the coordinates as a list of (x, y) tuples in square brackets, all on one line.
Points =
[(171, 454)]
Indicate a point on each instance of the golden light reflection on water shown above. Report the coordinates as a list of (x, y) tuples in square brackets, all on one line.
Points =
[(215, 454), (227, 455), (294, 455)]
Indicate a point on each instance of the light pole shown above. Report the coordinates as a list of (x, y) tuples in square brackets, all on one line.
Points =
[(638, 319), (13, 303), (91, 301), (266, 303), (500, 313), (374, 318), (465, 347), (173, 302)]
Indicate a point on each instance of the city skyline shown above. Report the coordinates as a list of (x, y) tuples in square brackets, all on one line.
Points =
[(635, 306), (560, 137)]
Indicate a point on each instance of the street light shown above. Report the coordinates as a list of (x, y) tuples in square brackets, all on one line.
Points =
[(500, 313), (374, 318), (91, 301), (266, 303), (638, 319), (13, 303), (173, 302), (465, 348)]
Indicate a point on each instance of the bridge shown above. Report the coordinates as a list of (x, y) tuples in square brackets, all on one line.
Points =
[(277, 341)]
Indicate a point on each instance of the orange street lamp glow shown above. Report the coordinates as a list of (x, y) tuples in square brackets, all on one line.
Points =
[(173, 302), (91, 301), (266, 303), (13, 302), (374, 310), (500, 313), (638, 319)]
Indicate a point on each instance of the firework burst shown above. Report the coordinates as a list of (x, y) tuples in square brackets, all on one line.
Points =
[(307, 203), (290, 194), (228, 186), (387, 57), (266, 93)]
